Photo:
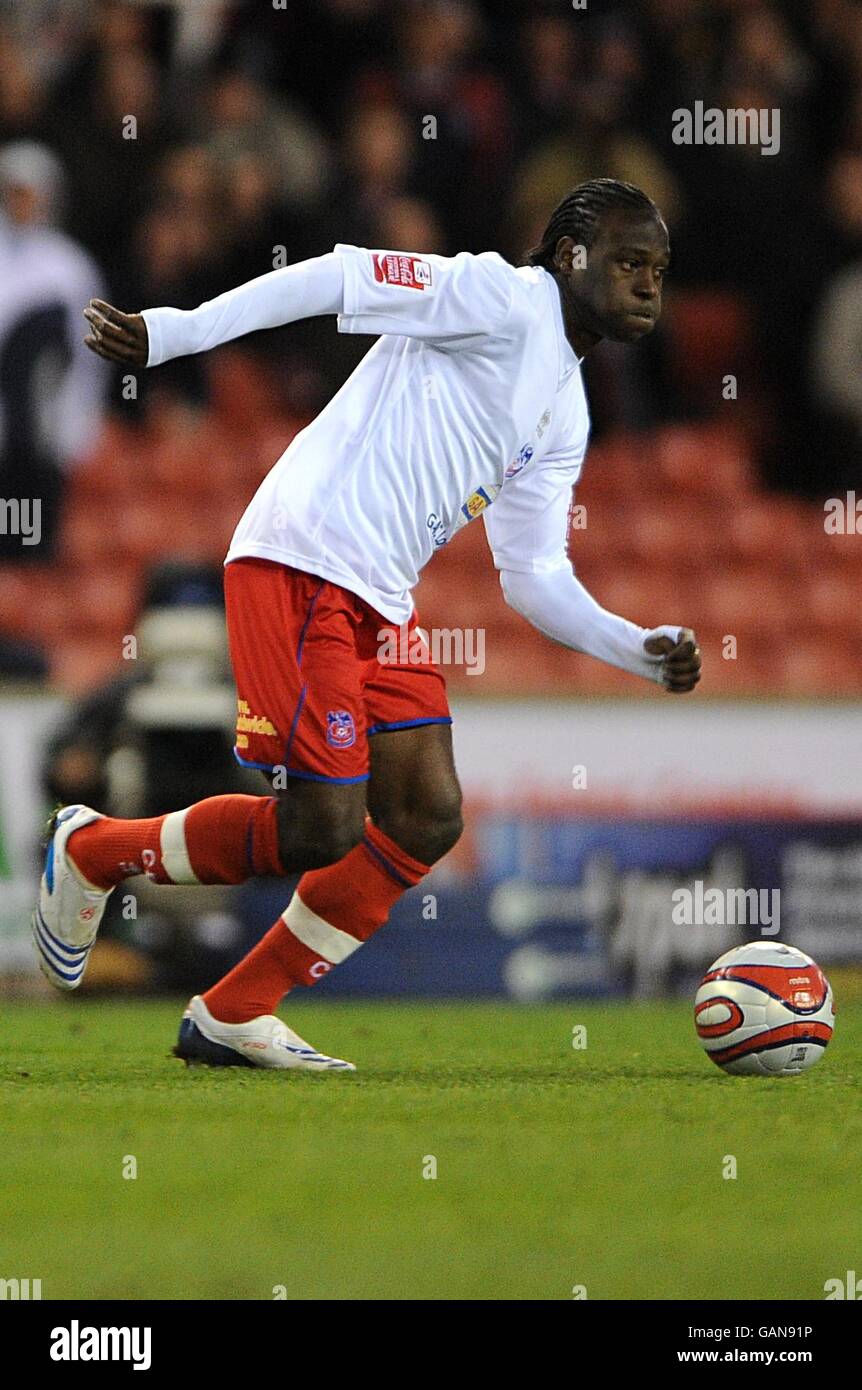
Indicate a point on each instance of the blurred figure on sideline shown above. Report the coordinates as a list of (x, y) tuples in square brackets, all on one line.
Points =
[(50, 389)]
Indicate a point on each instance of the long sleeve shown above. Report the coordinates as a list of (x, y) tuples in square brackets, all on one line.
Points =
[(528, 530), (557, 604), (448, 300), (299, 291)]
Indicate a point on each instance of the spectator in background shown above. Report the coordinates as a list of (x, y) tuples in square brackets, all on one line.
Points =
[(836, 352), (23, 91), (110, 120), (812, 448), (378, 166), (598, 135), (463, 160), (50, 390), (547, 69), (239, 116), (411, 223), (179, 256), (315, 54), (258, 224)]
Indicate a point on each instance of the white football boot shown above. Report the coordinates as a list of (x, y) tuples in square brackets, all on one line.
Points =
[(69, 910), (262, 1042)]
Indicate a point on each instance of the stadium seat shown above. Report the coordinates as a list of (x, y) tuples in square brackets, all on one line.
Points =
[(750, 600), (814, 667), (710, 334), (709, 460)]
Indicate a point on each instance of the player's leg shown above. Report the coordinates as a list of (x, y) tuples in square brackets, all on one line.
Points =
[(414, 802), (414, 796), (316, 754)]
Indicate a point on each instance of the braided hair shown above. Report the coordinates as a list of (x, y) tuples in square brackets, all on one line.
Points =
[(578, 215)]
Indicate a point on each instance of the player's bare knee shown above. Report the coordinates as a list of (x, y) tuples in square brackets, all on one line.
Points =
[(428, 830), (443, 835), (445, 820)]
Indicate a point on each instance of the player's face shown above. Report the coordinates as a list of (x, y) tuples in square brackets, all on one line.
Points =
[(619, 291)]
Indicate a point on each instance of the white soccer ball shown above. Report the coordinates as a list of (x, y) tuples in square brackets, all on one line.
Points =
[(764, 1010)]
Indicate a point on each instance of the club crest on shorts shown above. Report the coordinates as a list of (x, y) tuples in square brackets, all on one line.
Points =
[(340, 728)]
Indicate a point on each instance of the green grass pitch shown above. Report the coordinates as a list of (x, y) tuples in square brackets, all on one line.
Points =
[(555, 1167)]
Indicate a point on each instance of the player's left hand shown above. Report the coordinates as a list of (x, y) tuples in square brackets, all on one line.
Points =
[(116, 336), (681, 664)]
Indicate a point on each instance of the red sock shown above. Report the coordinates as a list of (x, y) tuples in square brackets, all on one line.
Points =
[(329, 916), (224, 839)]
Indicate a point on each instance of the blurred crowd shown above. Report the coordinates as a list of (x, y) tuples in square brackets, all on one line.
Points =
[(197, 145)]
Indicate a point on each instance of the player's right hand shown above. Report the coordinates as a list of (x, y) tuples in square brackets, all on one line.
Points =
[(116, 336), (681, 662)]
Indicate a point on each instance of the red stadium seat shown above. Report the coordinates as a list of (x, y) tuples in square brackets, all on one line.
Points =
[(766, 527), (709, 459), (710, 335), (816, 666), (749, 601)]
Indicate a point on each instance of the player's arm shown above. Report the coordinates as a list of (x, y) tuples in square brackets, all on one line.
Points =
[(557, 604), (300, 291), (538, 581)]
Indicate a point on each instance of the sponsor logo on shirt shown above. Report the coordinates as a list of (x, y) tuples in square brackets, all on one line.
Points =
[(340, 729), (437, 526), (520, 462), (478, 501), (411, 272)]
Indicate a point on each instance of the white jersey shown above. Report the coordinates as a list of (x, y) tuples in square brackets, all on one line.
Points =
[(470, 403)]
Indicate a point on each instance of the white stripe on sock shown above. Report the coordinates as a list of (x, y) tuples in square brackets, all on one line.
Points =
[(319, 936), (175, 856)]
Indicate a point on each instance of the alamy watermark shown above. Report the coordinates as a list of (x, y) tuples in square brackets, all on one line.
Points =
[(709, 125), (20, 1290), (848, 1287), (77, 1343), (21, 516), (843, 515), (442, 646), (721, 907)]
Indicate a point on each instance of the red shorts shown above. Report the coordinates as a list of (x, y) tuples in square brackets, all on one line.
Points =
[(311, 685)]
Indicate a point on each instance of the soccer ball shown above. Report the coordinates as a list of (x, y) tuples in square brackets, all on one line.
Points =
[(764, 1010)]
